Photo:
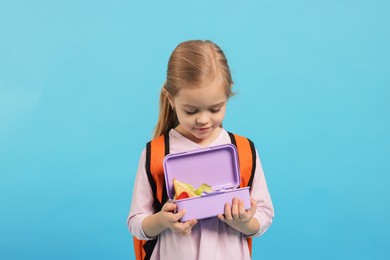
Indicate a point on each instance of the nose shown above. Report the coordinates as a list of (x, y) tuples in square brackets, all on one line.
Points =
[(202, 119)]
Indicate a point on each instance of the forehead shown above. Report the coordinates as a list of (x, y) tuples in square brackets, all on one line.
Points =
[(201, 96)]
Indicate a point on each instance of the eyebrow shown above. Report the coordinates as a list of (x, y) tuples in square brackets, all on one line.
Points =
[(216, 105)]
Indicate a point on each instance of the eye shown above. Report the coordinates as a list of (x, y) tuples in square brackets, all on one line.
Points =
[(190, 112), (215, 110)]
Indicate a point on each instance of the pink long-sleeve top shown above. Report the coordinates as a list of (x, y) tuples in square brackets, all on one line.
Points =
[(210, 238)]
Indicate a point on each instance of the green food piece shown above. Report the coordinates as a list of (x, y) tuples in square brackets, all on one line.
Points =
[(203, 188), (189, 186)]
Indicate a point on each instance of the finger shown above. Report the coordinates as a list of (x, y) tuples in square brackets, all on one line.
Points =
[(187, 226), (241, 210), (192, 222), (169, 207), (253, 207), (179, 215), (228, 212), (221, 217), (187, 232), (235, 213)]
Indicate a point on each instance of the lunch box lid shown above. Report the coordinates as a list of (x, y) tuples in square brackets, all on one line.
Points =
[(216, 166)]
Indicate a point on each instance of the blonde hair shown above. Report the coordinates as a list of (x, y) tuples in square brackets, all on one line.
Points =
[(192, 64)]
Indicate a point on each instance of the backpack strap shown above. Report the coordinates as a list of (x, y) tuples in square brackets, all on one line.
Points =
[(247, 161), (247, 158), (155, 153), (156, 150)]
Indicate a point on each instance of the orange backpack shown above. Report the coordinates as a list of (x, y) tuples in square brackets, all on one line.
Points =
[(157, 149)]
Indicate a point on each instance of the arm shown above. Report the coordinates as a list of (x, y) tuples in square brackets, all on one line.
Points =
[(142, 222)]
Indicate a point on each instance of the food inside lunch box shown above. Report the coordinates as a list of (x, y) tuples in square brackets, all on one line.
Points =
[(184, 190)]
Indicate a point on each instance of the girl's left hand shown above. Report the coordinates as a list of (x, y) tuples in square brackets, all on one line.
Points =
[(238, 218)]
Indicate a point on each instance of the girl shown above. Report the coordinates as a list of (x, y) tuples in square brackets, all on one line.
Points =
[(192, 107)]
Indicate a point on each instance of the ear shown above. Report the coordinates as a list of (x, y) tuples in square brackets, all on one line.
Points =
[(170, 99)]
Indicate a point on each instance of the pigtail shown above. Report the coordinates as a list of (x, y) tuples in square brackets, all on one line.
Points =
[(167, 118)]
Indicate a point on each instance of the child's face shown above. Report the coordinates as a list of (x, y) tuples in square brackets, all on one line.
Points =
[(200, 112)]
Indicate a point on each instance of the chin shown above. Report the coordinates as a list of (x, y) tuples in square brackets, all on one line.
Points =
[(203, 136)]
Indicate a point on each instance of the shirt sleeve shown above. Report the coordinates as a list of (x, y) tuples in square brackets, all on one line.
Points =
[(265, 210), (142, 201)]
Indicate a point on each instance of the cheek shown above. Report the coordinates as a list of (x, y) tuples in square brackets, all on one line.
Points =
[(220, 117), (183, 118)]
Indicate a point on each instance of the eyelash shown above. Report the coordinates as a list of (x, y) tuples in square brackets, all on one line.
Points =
[(191, 113), (215, 110), (196, 111)]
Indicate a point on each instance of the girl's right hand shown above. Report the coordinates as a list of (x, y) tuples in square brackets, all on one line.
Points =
[(171, 219)]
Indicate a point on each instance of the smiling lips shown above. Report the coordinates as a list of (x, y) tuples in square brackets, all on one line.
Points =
[(203, 129)]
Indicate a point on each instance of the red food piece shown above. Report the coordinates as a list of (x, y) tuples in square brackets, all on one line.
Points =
[(183, 195)]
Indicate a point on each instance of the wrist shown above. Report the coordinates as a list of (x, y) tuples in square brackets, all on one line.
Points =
[(251, 227), (160, 221), (153, 225)]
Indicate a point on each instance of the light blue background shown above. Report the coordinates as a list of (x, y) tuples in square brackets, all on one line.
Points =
[(79, 86)]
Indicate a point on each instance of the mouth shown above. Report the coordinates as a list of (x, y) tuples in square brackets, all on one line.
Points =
[(202, 129)]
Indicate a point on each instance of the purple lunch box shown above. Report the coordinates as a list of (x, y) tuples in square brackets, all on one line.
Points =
[(218, 167)]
